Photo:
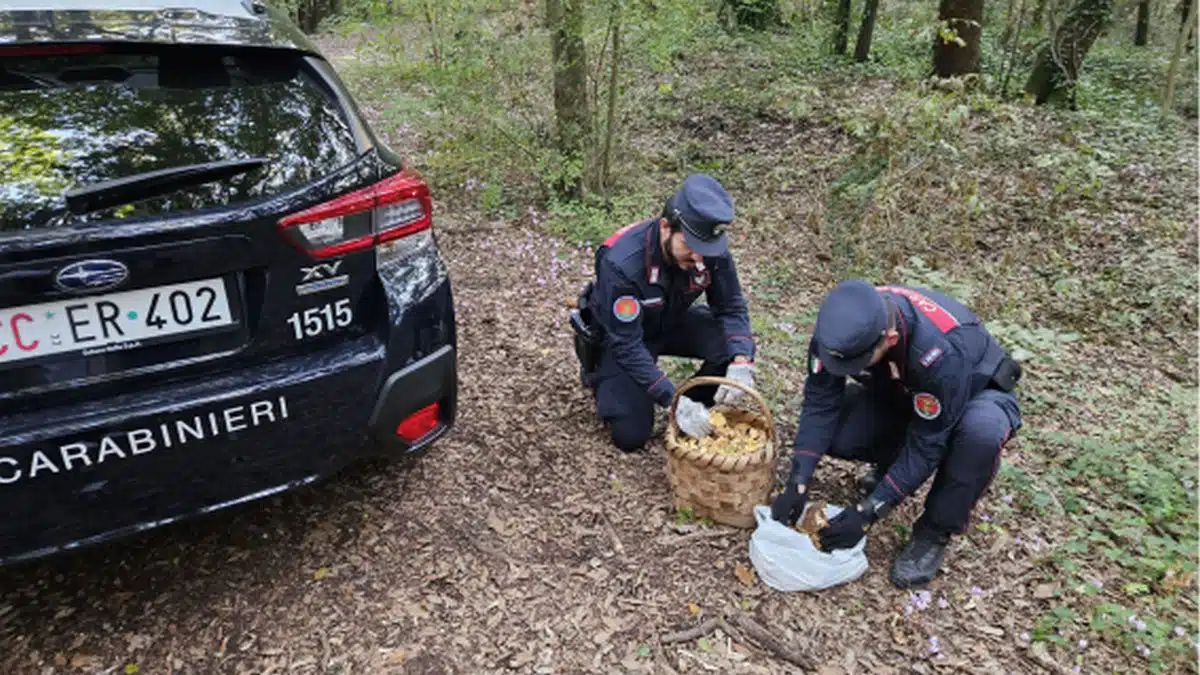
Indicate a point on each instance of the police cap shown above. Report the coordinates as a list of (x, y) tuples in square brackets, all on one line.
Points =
[(703, 209), (850, 323)]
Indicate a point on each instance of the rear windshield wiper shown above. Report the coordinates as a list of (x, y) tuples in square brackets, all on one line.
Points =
[(119, 191)]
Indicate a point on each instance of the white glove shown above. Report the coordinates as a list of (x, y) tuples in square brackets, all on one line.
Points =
[(742, 372), (692, 418)]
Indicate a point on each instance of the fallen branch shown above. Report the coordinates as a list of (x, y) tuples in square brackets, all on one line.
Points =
[(764, 638), (746, 627), (691, 633)]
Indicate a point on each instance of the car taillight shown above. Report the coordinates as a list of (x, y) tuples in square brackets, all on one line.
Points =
[(395, 207), (414, 428)]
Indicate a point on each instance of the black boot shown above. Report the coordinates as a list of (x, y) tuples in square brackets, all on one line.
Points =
[(921, 558), (866, 485)]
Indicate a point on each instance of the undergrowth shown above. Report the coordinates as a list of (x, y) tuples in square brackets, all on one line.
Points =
[(1063, 229)]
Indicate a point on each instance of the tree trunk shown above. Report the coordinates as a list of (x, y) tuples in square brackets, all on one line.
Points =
[(564, 19), (1143, 24), (956, 47), (862, 49), (841, 27), (611, 130), (1185, 32), (1058, 65)]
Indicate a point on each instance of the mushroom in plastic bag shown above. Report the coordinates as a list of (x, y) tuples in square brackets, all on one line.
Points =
[(787, 560)]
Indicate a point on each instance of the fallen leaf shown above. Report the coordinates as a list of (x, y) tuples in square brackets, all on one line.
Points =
[(1174, 582), (86, 661), (831, 670), (704, 645), (321, 573), (1044, 591), (131, 669), (60, 660), (992, 630), (398, 657), (720, 564), (743, 574), (694, 608), (643, 652)]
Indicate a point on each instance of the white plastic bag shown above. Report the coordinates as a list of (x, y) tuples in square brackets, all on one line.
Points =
[(787, 560)]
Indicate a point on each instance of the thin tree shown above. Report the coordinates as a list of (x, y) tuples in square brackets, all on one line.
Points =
[(1185, 32), (614, 71), (1060, 61), (862, 49), (957, 43), (564, 19)]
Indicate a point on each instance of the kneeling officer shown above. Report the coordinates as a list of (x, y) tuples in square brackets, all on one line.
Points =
[(935, 394), (648, 274)]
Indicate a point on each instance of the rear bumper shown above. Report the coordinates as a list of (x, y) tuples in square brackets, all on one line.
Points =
[(99, 471), (432, 380)]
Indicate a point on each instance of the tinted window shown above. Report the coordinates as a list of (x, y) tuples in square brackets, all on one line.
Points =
[(73, 120)]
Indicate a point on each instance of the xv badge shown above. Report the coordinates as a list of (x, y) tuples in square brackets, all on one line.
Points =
[(321, 277)]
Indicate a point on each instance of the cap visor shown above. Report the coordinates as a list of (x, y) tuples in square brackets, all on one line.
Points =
[(716, 247), (843, 367)]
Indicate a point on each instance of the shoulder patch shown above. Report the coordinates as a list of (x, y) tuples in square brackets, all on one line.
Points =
[(931, 356), (815, 367), (927, 405), (627, 308)]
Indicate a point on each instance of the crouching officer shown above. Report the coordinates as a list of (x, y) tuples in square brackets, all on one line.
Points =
[(934, 394), (639, 308)]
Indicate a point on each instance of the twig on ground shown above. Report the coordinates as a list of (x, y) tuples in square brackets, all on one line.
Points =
[(745, 627), (612, 533), (764, 638), (691, 633), (704, 534)]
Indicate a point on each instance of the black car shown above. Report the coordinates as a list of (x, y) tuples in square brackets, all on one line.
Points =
[(216, 283)]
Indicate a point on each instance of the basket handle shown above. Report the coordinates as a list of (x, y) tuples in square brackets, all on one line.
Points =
[(712, 379)]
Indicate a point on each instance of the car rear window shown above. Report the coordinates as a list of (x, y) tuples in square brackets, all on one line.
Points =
[(71, 120)]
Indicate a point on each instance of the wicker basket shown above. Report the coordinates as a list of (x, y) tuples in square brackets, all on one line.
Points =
[(723, 488)]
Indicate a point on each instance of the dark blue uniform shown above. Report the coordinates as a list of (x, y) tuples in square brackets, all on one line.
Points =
[(643, 309), (931, 405)]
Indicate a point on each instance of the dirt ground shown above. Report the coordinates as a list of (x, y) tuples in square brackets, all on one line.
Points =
[(522, 543)]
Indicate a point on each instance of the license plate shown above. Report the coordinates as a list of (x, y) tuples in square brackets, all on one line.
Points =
[(115, 322)]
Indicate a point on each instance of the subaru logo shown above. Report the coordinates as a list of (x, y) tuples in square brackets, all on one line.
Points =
[(88, 276)]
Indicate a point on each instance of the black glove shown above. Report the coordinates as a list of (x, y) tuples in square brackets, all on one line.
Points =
[(850, 526), (844, 531), (789, 505)]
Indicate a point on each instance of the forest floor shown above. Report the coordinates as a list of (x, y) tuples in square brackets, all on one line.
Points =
[(524, 542)]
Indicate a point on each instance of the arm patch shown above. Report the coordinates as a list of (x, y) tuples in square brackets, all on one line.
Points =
[(930, 357)]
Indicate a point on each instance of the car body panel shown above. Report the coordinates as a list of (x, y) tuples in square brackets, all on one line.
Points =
[(326, 356)]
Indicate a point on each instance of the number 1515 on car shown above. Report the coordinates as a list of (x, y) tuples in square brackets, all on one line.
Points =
[(317, 320)]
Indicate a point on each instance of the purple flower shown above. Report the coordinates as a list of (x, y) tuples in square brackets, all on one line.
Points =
[(934, 647), (985, 518), (1141, 625), (1083, 644), (942, 604), (1007, 499), (541, 282), (1076, 669), (1024, 637), (1179, 632), (1146, 652), (976, 591)]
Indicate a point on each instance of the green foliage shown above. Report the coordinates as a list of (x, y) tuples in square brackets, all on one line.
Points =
[(1127, 489)]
